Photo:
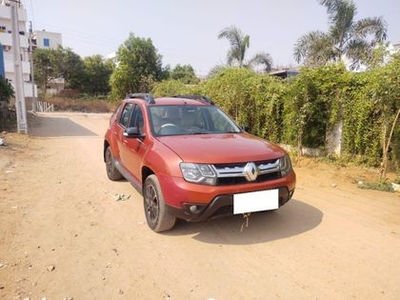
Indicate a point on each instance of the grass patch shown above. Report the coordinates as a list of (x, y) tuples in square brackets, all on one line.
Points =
[(382, 185)]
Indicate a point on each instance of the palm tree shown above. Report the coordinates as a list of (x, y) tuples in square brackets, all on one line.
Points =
[(239, 44), (346, 38)]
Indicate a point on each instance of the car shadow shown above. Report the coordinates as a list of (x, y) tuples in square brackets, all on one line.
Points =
[(294, 218), (57, 127)]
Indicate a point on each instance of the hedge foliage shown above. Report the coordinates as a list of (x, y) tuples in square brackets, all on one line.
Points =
[(301, 110)]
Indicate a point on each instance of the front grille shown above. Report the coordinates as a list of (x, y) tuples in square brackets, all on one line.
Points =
[(241, 180), (230, 174)]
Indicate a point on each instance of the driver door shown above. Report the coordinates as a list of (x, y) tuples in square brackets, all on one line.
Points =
[(133, 148)]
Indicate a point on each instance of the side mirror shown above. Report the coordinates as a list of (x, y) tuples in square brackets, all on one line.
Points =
[(132, 132), (245, 128)]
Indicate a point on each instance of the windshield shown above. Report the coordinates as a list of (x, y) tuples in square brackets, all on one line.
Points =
[(184, 119)]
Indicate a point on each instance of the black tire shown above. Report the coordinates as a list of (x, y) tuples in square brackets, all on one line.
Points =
[(112, 172), (155, 209)]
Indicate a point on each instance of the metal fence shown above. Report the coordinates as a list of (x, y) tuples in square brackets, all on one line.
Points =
[(42, 106)]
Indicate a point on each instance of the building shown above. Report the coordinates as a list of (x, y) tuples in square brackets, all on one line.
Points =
[(284, 73), (46, 40), (394, 47), (2, 71), (49, 40), (6, 39)]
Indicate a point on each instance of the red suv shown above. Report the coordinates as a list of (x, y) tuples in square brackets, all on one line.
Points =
[(189, 160)]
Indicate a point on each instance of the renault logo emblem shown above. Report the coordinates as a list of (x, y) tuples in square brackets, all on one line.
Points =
[(251, 171)]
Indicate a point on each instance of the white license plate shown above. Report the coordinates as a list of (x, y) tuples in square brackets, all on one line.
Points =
[(255, 201)]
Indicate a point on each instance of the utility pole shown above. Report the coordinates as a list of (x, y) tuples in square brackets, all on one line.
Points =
[(31, 63), (19, 84)]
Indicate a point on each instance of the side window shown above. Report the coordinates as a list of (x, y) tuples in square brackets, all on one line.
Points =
[(126, 113), (115, 114), (137, 119)]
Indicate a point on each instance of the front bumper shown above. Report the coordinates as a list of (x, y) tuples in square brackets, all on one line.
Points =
[(220, 206)]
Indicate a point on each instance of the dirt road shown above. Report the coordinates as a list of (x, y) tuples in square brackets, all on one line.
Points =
[(64, 235)]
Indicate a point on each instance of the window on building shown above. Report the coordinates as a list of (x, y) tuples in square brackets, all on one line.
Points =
[(46, 42)]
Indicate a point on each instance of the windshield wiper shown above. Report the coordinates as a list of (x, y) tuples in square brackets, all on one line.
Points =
[(232, 131)]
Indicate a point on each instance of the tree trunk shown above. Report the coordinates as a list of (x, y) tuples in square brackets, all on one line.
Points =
[(300, 143), (384, 153), (386, 145)]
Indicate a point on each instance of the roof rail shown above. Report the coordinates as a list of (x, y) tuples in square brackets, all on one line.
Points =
[(145, 96), (196, 97)]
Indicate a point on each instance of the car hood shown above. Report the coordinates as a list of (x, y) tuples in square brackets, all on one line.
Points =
[(221, 148)]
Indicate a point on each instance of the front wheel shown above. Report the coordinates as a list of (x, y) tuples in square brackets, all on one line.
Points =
[(155, 209)]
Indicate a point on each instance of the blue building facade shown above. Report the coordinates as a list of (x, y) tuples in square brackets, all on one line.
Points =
[(2, 71)]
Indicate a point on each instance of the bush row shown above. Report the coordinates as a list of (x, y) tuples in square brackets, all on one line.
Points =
[(302, 111)]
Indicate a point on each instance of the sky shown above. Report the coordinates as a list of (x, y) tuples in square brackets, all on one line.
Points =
[(186, 31)]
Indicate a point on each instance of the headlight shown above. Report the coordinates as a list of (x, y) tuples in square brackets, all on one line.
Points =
[(285, 165), (198, 173)]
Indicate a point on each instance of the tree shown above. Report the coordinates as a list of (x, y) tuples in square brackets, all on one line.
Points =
[(138, 65), (346, 37), (44, 68), (301, 106), (314, 107), (6, 90), (185, 74), (97, 75), (315, 48), (70, 68), (264, 106), (229, 89), (170, 87), (385, 94), (51, 64), (237, 53), (218, 69)]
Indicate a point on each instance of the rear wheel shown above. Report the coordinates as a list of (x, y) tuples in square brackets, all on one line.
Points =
[(155, 209), (112, 172)]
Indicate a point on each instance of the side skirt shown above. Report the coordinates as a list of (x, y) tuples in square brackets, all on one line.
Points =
[(134, 182)]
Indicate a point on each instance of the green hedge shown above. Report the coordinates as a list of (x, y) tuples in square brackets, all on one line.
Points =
[(300, 111)]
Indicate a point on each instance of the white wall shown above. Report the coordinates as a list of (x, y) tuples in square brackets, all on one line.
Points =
[(6, 41), (53, 37)]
